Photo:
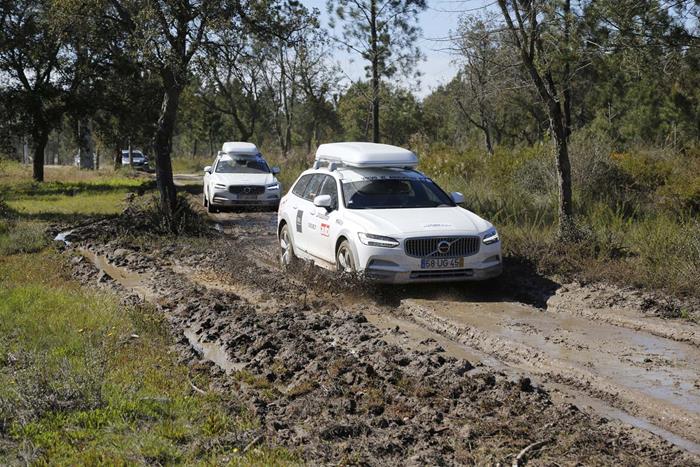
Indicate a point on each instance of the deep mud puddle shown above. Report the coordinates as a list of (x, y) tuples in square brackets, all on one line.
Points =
[(647, 375), (130, 280)]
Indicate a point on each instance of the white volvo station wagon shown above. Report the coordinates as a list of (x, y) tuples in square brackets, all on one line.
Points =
[(240, 177), (364, 208)]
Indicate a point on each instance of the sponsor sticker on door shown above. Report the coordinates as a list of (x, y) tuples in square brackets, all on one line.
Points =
[(325, 228)]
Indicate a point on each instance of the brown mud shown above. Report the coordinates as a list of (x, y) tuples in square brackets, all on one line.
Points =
[(455, 374)]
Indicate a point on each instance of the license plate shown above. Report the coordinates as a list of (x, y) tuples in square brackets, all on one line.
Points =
[(441, 263), (247, 196)]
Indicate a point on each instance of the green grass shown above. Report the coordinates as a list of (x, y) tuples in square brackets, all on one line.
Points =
[(68, 194), (21, 237), (75, 388)]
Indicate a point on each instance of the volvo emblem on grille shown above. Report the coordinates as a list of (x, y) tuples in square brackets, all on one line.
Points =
[(246, 190), (443, 247)]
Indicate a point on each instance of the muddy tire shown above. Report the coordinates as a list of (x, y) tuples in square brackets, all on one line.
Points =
[(344, 259), (287, 256), (205, 201), (211, 208)]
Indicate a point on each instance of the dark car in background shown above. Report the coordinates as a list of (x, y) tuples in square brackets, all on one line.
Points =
[(140, 160)]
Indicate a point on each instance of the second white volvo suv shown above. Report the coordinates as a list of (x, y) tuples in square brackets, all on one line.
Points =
[(240, 177)]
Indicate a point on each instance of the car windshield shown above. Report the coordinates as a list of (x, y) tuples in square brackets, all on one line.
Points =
[(134, 154), (241, 165), (393, 193)]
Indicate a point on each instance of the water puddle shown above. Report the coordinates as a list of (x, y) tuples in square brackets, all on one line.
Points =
[(134, 281), (212, 352), (591, 404), (660, 368), (63, 237), (652, 376)]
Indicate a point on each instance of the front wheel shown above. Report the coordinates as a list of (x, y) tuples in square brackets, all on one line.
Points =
[(344, 259), (287, 257), (211, 209)]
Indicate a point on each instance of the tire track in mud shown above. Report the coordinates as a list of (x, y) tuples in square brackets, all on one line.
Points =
[(245, 267), (664, 396)]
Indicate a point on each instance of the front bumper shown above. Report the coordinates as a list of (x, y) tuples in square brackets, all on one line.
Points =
[(394, 266), (222, 198)]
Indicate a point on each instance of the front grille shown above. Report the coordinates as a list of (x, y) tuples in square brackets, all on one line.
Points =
[(428, 247), (442, 273), (247, 189)]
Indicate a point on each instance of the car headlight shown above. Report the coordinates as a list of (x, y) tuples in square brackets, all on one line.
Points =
[(490, 236), (219, 186), (378, 240), (273, 186)]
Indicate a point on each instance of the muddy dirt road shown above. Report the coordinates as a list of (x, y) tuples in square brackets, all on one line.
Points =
[(377, 374), (592, 346)]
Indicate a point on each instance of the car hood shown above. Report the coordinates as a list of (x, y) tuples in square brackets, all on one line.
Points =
[(419, 221), (243, 179)]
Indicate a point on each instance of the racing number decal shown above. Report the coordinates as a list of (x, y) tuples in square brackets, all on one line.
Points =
[(300, 214), (324, 229)]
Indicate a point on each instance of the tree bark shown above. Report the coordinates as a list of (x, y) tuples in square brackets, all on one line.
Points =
[(41, 138), (375, 72), (163, 146), (84, 142), (118, 158)]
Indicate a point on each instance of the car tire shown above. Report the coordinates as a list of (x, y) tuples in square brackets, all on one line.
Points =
[(205, 201), (344, 258), (211, 209), (287, 255)]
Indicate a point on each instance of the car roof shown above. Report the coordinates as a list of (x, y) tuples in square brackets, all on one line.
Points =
[(356, 174), (240, 147), (361, 154)]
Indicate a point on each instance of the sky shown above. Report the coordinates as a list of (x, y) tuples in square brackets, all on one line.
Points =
[(437, 22)]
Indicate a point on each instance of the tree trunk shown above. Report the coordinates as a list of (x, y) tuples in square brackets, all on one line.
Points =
[(375, 72), (163, 147), (40, 138), (118, 158), (558, 112), (566, 209), (131, 154), (84, 145), (194, 149)]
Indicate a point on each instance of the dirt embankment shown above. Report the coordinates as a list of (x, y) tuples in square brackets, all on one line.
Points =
[(351, 373)]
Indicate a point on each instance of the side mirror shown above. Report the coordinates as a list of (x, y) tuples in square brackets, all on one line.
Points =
[(275, 170), (457, 197), (207, 169), (323, 201)]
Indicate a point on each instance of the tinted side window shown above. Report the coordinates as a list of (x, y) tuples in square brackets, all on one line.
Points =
[(300, 185), (313, 187), (330, 188)]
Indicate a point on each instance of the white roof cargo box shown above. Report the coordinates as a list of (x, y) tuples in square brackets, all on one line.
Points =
[(366, 155), (238, 147)]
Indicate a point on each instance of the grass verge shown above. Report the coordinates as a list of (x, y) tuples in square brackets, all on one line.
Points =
[(83, 379)]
